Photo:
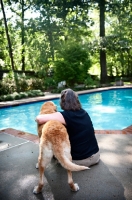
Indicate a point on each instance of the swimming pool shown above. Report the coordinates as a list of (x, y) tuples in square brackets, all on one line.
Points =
[(110, 109)]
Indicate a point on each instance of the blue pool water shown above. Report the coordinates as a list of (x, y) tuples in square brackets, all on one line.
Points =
[(111, 109)]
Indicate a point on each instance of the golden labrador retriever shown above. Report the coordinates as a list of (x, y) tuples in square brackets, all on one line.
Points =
[(54, 141)]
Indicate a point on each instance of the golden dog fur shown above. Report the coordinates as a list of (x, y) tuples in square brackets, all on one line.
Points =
[(54, 140)]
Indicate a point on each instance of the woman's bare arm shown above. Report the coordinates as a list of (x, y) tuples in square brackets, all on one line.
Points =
[(41, 119)]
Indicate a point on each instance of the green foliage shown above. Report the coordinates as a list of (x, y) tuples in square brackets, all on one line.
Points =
[(2, 45), (42, 72), (33, 93), (37, 83), (50, 83), (21, 95), (57, 90), (35, 40), (22, 85), (8, 98), (2, 98), (6, 87), (89, 82), (72, 64)]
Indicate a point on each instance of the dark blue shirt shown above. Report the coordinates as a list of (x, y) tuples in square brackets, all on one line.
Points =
[(81, 134)]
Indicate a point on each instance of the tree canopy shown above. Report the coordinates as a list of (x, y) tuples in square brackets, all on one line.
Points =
[(39, 31)]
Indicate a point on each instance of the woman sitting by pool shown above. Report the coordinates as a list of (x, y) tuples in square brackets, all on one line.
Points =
[(84, 147)]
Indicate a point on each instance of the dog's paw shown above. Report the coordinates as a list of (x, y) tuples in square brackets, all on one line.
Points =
[(76, 187), (36, 190), (37, 166)]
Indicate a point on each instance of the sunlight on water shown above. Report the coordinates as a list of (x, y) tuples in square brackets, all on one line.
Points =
[(110, 109), (104, 109)]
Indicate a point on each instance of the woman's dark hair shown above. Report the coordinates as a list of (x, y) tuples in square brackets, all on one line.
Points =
[(69, 100)]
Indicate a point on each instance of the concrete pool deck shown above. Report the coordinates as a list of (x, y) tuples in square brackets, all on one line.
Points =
[(110, 179)]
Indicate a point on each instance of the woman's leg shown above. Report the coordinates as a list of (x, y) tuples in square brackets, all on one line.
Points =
[(94, 159)]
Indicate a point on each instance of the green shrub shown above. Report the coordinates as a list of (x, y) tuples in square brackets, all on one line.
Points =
[(40, 93), (6, 87), (22, 85), (16, 95), (23, 95), (89, 81), (50, 83), (33, 93), (72, 64), (30, 94), (57, 90), (3, 89), (37, 84), (9, 97), (2, 98)]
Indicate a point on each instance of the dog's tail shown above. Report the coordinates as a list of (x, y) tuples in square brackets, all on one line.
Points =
[(67, 164)]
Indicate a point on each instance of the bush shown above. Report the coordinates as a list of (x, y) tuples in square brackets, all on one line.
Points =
[(30, 94), (2, 98), (6, 87), (72, 65), (9, 97), (15, 95), (3, 89), (37, 84), (89, 82), (50, 83), (23, 95), (20, 84), (57, 90)]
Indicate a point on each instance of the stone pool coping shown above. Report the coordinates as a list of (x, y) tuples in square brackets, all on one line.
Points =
[(49, 96)]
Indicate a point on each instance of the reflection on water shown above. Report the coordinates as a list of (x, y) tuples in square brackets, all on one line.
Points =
[(92, 98), (108, 110)]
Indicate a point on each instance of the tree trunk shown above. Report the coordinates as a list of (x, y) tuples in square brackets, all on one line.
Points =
[(23, 39), (103, 67), (8, 37)]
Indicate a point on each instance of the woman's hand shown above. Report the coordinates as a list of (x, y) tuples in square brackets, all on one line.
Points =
[(40, 119)]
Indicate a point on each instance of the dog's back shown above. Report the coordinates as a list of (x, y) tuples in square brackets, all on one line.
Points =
[(47, 108)]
